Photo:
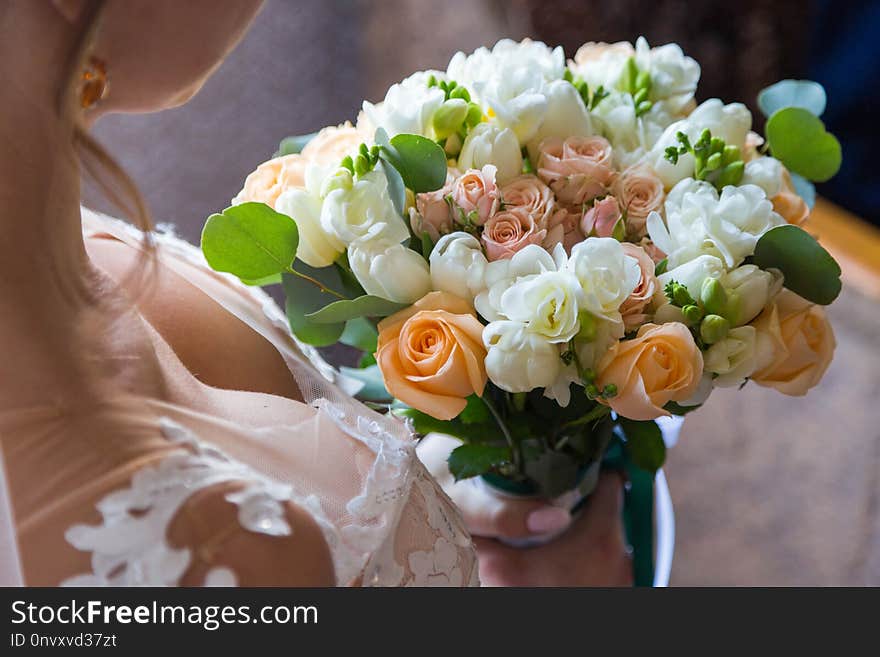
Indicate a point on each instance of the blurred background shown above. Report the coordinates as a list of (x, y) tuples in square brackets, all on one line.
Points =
[(768, 490)]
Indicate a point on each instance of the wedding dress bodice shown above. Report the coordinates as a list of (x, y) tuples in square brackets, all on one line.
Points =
[(354, 471)]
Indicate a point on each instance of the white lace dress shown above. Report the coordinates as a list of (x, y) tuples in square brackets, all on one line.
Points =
[(386, 521)]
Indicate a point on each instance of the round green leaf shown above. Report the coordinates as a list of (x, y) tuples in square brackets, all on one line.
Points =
[(250, 240), (295, 144), (793, 93), (799, 140), (304, 297), (809, 269), (420, 161), (644, 443), (346, 309), (467, 461)]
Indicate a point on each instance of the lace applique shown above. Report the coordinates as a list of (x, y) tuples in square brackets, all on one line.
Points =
[(130, 547)]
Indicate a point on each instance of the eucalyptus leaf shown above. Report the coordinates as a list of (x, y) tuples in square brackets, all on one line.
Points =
[(374, 385), (396, 186), (644, 443), (420, 161), (274, 279), (467, 461), (806, 94), (805, 189), (294, 144), (304, 297), (346, 309), (809, 269), (799, 140), (360, 334), (250, 240)]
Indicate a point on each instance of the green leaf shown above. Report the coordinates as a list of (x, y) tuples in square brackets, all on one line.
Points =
[(423, 424), (250, 240), (420, 161), (427, 246), (806, 94), (644, 443), (274, 279), (467, 461), (360, 334), (374, 385), (809, 269), (303, 298), (396, 187), (475, 411), (799, 140), (346, 309), (295, 144), (678, 409)]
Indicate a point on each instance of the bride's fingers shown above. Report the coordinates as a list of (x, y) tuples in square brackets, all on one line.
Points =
[(485, 513)]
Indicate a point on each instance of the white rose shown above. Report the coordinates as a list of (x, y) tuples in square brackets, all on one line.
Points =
[(566, 116), (606, 275), (362, 210), (510, 81), (458, 265), (734, 358), (766, 173), (729, 122), (408, 107), (489, 144), (316, 247), (500, 275), (389, 270), (699, 222), (518, 360), (749, 289), (546, 303), (692, 274)]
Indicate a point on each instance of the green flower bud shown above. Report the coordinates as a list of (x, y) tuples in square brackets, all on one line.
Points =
[(644, 107), (449, 117), (361, 165), (609, 391), (453, 145), (713, 162), (713, 329), (692, 314), (640, 96), (619, 230), (348, 163), (567, 75), (589, 327), (731, 154), (432, 80), (731, 174), (714, 296), (716, 145), (681, 296), (460, 92), (643, 81), (705, 137), (588, 375), (474, 115), (341, 179), (592, 390)]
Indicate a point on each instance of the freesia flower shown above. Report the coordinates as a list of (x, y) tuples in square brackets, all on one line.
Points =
[(389, 270), (408, 107), (487, 143), (518, 360), (458, 265), (361, 209)]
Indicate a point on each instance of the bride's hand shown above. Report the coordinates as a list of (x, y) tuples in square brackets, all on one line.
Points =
[(590, 553)]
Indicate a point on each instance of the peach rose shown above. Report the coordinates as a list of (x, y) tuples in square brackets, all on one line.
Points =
[(795, 344), (272, 178), (577, 169), (594, 51), (431, 355), (508, 231), (661, 364), (652, 250), (332, 144), (788, 204), (633, 309), (600, 220), (476, 194), (564, 228), (640, 192), (527, 191), (432, 214)]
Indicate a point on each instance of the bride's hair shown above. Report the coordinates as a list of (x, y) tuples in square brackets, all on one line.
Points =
[(98, 166)]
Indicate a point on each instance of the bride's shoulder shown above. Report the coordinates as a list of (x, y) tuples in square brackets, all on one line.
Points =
[(189, 305)]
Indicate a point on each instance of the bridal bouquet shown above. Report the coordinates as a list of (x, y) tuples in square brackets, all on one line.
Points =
[(542, 257)]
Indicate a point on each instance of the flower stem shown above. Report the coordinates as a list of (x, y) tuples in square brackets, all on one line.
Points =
[(598, 412), (517, 456), (316, 283)]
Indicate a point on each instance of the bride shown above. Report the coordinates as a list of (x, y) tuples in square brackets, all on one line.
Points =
[(158, 423)]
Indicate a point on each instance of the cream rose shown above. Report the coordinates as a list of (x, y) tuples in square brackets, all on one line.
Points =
[(332, 144), (509, 231), (633, 310), (577, 169), (795, 344), (273, 178), (431, 355), (639, 192), (661, 364)]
